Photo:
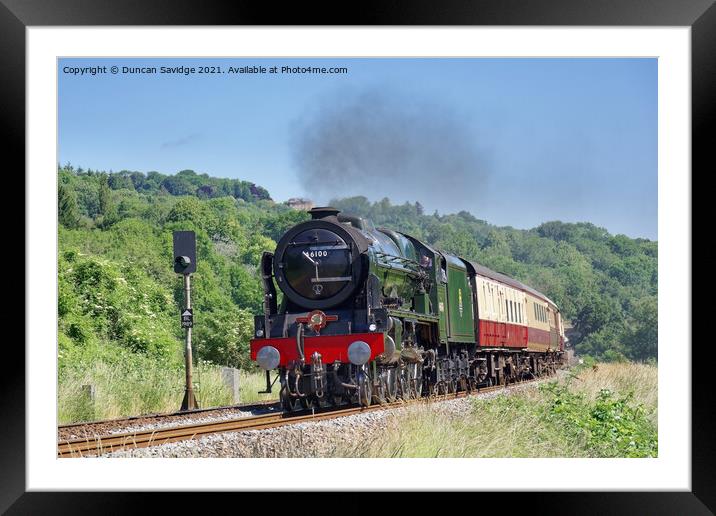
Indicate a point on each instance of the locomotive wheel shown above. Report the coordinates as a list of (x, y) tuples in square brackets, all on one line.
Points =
[(388, 379), (401, 381), (289, 403), (379, 388), (415, 374), (433, 389), (321, 403), (364, 389), (408, 382), (463, 384), (442, 388)]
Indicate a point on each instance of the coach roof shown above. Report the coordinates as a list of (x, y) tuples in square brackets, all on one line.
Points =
[(502, 278)]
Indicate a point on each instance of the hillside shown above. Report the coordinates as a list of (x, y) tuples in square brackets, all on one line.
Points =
[(118, 293)]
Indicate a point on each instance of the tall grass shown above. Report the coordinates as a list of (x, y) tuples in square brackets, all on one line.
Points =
[(251, 382), (130, 384), (607, 412)]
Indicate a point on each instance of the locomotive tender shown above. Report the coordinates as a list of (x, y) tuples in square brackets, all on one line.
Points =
[(372, 315)]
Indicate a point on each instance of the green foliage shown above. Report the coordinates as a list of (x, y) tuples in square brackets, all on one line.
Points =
[(67, 211), (610, 426), (186, 182), (222, 336), (115, 278), (106, 205), (101, 300), (643, 332)]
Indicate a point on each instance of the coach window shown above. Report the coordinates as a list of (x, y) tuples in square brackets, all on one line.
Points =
[(493, 303), (488, 299), (490, 302)]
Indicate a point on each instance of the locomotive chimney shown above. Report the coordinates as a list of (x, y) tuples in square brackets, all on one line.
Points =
[(322, 212)]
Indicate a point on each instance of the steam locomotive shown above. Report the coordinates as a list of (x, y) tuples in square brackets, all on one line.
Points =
[(371, 315)]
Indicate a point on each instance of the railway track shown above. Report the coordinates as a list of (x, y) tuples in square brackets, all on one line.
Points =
[(125, 421), (98, 445)]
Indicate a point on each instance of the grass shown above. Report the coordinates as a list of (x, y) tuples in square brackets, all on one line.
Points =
[(251, 382), (130, 384), (607, 412)]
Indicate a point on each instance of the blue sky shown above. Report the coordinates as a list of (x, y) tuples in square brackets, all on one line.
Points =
[(513, 141)]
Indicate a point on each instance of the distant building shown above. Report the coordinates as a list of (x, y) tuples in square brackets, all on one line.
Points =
[(299, 203)]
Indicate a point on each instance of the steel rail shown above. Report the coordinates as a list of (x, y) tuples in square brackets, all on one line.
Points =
[(247, 407)]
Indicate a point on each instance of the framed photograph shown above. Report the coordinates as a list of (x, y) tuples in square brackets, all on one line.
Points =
[(527, 148)]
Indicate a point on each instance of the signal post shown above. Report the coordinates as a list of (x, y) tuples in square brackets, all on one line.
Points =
[(185, 264)]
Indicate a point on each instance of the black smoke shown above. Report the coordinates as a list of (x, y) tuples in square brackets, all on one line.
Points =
[(380, 144)]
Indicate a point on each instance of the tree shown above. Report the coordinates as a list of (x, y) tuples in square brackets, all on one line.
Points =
[(107, 208), (121, 180), (67, 207), (205, 192), (642, 340), (176, 185)]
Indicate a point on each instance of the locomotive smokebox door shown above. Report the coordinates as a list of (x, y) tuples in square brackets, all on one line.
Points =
[(184, 252)]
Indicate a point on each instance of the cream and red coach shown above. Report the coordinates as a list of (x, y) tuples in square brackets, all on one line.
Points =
[(369, 315)]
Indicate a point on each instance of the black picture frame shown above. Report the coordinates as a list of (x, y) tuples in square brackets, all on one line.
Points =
[(700, 15)]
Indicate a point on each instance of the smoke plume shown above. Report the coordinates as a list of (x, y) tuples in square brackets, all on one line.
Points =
[(379, 144)]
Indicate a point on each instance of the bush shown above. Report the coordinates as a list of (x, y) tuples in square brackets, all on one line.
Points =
[(610, 426), (97, 301)]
